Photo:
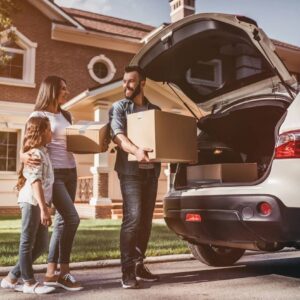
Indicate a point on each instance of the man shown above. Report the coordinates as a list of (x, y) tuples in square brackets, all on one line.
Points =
[(138, 181)]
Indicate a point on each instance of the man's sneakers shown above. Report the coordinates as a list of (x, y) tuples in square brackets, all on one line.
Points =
[(143, 273), (129, 280), (68, 283)]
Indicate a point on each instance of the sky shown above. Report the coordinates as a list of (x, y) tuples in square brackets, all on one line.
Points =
[(280, 19)]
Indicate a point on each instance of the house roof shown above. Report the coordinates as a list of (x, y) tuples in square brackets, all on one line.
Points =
[(285, 45), (107, 24), (54, 12), (110, 25)]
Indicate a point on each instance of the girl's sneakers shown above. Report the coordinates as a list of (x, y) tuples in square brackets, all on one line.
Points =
[(5, 284), (37, 288)]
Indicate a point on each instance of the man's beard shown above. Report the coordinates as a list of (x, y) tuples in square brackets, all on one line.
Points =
[(136, 91)]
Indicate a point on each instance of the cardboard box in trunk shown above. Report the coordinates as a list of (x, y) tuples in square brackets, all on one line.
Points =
[(235, 172), (87, 137), (172, 137)]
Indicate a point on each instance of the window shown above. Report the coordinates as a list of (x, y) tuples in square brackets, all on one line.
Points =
[(205, 73), (20, 68), (14, 66), (101, 69), (8, 151)]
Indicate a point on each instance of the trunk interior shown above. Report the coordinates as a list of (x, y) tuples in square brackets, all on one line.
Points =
[(242, 136)]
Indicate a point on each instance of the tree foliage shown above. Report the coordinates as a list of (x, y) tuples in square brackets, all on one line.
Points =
[(7, 9)]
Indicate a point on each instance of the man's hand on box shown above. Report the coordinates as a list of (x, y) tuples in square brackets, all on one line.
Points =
[(141, 154), (106, 143)]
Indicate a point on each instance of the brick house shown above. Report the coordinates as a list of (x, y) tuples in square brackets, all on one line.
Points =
[(90, 51), (84, 48)]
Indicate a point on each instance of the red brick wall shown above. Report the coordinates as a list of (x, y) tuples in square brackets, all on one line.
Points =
[(6, 211), (56, 58)]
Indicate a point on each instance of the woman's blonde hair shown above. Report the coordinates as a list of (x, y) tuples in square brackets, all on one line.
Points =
[(48, 92), (33, 138)]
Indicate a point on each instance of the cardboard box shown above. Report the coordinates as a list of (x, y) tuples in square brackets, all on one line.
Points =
[(87, 137), (172, 137), (236, 172)]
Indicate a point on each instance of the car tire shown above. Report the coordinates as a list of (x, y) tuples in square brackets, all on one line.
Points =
[(216, 256), (297, 245)]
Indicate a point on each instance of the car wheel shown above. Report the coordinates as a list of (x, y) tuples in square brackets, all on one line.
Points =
[(297, 245), (216, 256)]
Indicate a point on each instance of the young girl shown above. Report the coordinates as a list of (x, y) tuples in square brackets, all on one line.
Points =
[(35, 194)]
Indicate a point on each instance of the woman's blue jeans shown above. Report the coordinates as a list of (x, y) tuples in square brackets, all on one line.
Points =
[(33, 242), (139, 196), (66, 217)]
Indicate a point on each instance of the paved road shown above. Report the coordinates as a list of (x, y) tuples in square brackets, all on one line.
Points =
[(255, 276)]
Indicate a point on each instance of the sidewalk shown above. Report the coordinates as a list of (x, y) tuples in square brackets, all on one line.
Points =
[(106, 263)]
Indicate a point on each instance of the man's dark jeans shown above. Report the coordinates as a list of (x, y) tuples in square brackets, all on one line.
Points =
[(139, 195)]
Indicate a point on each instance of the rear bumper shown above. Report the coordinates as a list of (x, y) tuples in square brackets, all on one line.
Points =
[(232, 220)]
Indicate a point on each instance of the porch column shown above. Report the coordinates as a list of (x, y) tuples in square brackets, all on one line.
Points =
[(100, 169)]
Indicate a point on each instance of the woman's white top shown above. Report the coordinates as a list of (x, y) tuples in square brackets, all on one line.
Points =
[(60, 157), (42, 172)]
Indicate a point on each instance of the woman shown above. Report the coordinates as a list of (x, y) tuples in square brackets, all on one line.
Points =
[(52, 94)]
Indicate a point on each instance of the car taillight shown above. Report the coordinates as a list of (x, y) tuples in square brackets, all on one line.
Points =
[(193, 218), (265, 208), (288, 145)]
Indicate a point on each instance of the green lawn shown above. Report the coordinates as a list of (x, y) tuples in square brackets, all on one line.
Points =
[(95, 240)]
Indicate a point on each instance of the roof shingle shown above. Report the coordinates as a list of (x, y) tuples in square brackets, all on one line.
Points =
[(109, 25)]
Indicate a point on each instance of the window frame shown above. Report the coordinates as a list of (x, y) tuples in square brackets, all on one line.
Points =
[(18, 132), (29, 57), (17, 51), (111, 70), (217, 65)]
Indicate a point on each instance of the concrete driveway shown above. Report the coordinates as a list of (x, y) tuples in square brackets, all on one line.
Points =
[(255, 276)]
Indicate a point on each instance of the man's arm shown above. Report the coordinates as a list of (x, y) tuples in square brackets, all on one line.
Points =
[(126, 145), (117, 120)]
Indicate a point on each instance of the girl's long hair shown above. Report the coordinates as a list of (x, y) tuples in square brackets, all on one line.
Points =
[(48, 92), (33, 138)]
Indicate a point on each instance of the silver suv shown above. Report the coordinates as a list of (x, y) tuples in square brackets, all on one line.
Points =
[(228, 67)]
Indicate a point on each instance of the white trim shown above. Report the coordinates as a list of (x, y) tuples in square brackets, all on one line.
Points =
[(14, 107), (111, 70), (95, 39), (90, 94), (29, 54), (13, 50), (54, 12), (16, 82), (23, 40), (106, 88), (9, 175)]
